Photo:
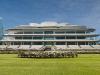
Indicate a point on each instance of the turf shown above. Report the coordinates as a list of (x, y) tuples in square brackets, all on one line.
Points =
[(85, 64)]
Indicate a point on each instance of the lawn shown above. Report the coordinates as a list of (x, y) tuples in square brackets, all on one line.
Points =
[(85, 64)]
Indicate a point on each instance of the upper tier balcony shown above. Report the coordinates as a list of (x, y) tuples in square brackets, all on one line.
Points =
[(52, 34)]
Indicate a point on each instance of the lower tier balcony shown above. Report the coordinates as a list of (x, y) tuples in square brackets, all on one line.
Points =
[(68, 40)]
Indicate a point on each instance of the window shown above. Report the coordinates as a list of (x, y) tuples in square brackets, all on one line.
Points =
[(18, 33), (37, 43), (28, 32), (70, 37), (71, 43), (37, 37), (48, 38), (60, 43), (38, 32), (27, 37), (82, 43), (48, 43), (60, 37), (72, 32), (81, 32), (26, 43), (1, 43), (80, 37), (59, 32), (17, 43), (18, 37), (48, 32)]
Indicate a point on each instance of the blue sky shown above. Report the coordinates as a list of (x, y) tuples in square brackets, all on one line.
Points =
[(82, 12)]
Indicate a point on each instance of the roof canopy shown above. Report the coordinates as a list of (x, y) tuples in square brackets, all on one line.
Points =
[(52, 25)]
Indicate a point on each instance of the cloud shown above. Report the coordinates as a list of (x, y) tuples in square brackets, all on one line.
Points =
[(46, 23)]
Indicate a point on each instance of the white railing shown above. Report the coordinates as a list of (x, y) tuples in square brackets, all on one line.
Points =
[(52, 34), (72, 40)]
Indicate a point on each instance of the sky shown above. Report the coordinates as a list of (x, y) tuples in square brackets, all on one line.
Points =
[(78, 12)]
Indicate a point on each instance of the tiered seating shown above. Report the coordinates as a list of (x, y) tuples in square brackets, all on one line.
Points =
[(92, 46), (14, 47), (37, 47), (25, 47), (74, 47), (96, 46), (2, 47), (86, 47), (61, 46), (54, 48)]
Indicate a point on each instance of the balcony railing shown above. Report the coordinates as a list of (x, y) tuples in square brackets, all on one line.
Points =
[(77, 40), (88, 34)]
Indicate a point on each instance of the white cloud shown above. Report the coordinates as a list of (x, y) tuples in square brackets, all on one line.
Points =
[(47, 23)]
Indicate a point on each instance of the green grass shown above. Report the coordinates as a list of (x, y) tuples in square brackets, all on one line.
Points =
[(85, 64)]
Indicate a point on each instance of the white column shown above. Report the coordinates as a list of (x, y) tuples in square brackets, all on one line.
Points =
[(43, 43), (85, 43), (77, 43), (85, 32), (21, 43), (22, 37), (88, 43), (94, 38), (76, 37), (75, 32), (9, 43), (66, 43), (53, 32), (43, 36), (31, 43), (43, 32), (23, 31), (54, 43)]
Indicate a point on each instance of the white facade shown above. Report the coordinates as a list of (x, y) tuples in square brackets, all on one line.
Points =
[(61, 35)]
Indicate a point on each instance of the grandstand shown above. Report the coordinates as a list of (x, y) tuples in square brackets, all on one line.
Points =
[(60, 36)]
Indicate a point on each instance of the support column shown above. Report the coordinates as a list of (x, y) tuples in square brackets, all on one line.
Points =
[(2, 43), (94, 38), (23, 31), (21, 43), (31, 43), (66, 43), (76, 37), (77, 43), (54, 43), (43, 36), (75, 32), (53, 32), (88, 43), (9, 43), (54, 36), (43, 32), (85, 43), (85, 32), (43, 43)]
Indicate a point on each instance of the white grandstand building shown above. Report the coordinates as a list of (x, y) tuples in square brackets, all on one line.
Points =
[(60, 35)]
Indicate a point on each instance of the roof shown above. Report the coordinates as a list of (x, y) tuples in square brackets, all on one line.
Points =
[(52, 25)]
